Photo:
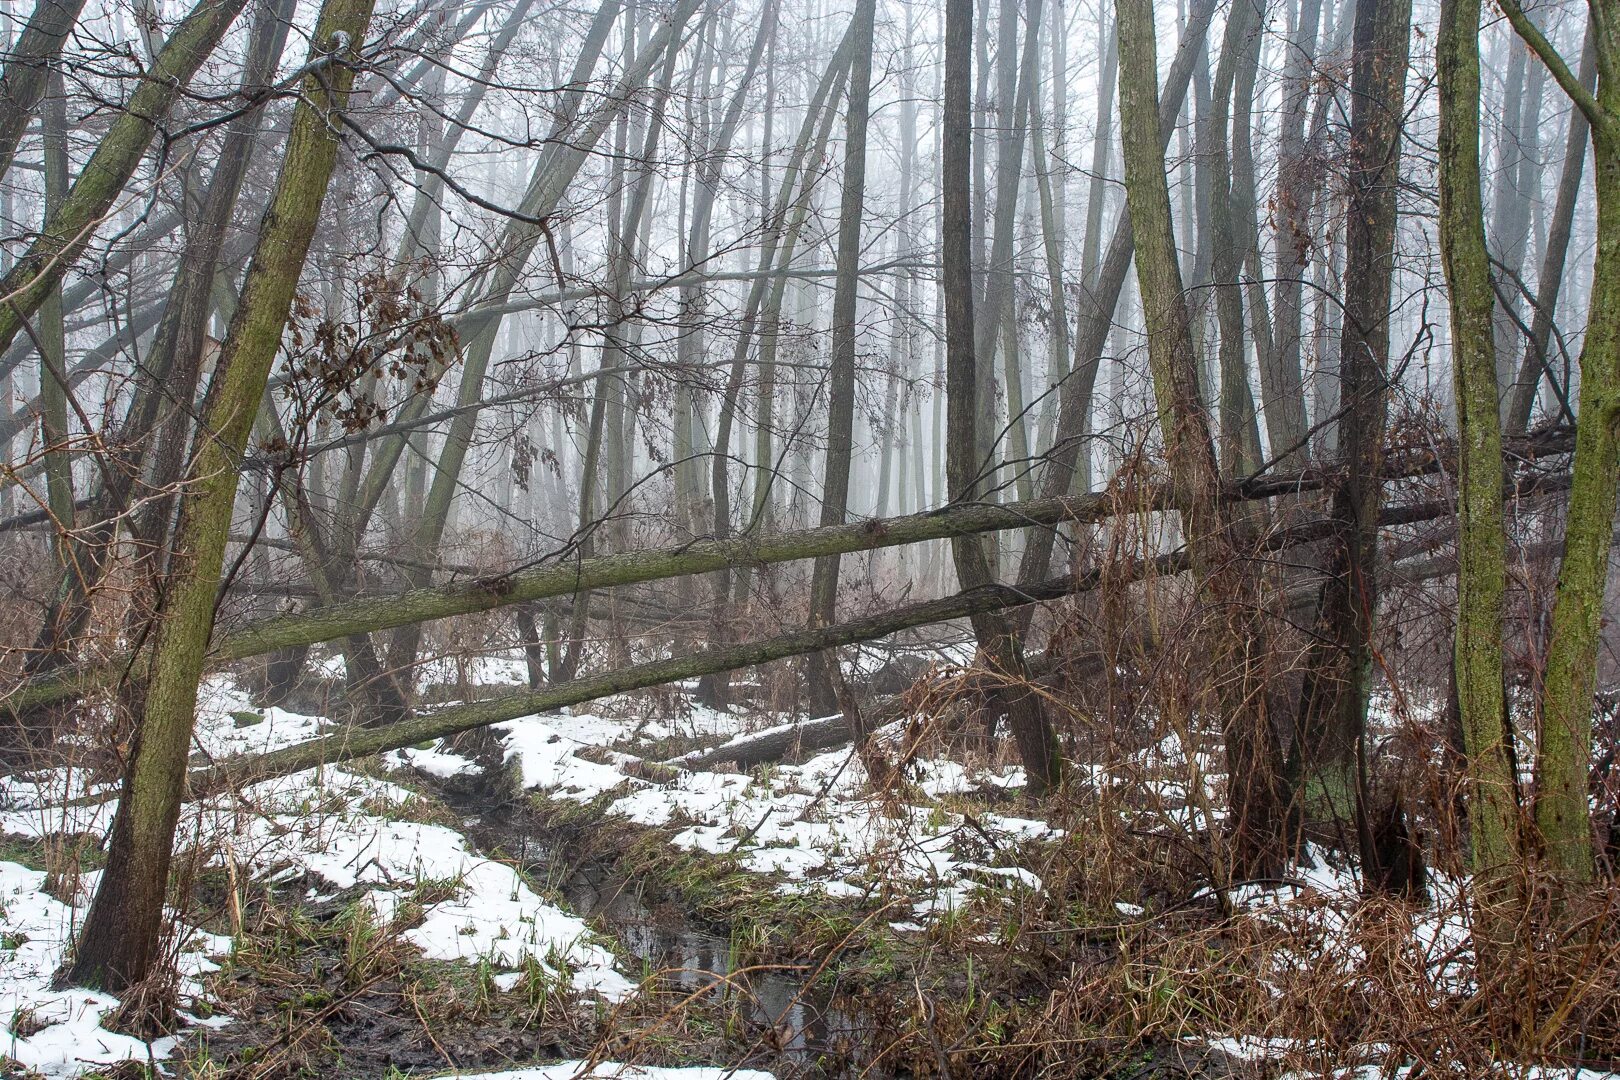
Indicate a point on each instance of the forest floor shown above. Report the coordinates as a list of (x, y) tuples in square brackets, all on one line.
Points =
[(552, 890)]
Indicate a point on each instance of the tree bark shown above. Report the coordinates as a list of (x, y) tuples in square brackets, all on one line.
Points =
[(1536, 362), (1481, 554), (119, 943), (28, 70), (997, 639), (1329, 744), (1563, 814), (117, 156), (1223, 582), (822, 667)]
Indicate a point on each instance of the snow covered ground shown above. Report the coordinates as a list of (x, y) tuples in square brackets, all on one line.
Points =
[(347, 830), (816, 826)]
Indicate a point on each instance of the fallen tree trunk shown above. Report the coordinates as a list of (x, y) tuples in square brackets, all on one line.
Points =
[(773, 744), (484, 594), (1296, 601), (360, 742), (356, 742), (500, 590)]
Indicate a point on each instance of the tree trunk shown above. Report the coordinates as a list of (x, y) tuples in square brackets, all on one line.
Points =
[(822, 667), (1297, 172), (1536, 362), (119, 943), (1240, 433), (1223, 582), (118, 154), (1329, 743), (998, 641), (1563, 813), (1481, 555)]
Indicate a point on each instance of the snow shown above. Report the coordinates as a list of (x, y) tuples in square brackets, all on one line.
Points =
[(434, 760), (546, 748), (59, 1033), (347, 830), (814, 826)]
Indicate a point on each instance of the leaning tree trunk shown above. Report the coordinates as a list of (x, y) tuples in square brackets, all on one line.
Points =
[(822, 668), (118, 154), (1550, 280), (30, 64), (119, 944)]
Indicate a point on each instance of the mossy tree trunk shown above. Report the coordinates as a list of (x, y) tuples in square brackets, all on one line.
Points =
[(1224, 584), (118, 154), (29, 66), (120, 941), (1563, 815), (1481, 544)]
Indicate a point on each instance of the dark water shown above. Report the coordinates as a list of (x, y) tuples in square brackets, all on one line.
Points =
[(787, 1022), (803, 1025)]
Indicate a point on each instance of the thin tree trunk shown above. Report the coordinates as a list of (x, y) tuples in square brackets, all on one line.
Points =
[(1329, 746), (997, 638), (117, 156), (1481, 549), (822, 667), (52, 343), (1240, 433), (1535, 363), (1223, 581), (1563, 813), (1297, 176)]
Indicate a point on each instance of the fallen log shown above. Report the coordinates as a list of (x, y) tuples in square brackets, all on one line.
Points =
[(370, 614), (356, 742), (772, 744)]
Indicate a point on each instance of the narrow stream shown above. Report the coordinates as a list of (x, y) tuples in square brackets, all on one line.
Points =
[(790, 1024), (805, 1024)]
